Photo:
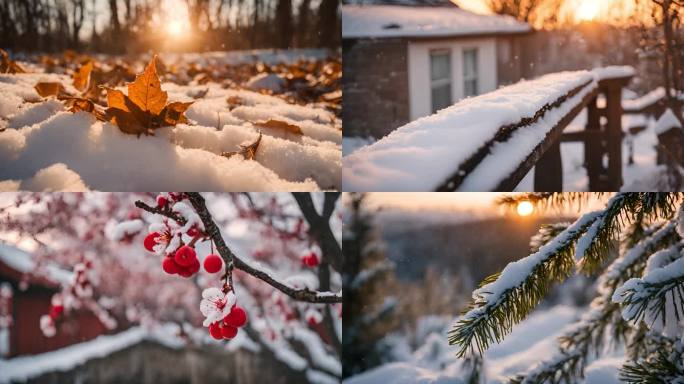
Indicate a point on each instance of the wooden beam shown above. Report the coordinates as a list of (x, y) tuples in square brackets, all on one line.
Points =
[(613, 92), (548, 172), (554, 135)]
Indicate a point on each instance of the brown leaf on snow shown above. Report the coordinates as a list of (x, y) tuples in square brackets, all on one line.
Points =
[(9, 66), (248, 152), (144, 109), (82, 76), (235, 101), (146, 90), (50, 88), (173, 113), (282, 125)]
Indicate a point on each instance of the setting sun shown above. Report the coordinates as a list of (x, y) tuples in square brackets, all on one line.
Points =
[(525, 208), (588, 10), (175, 28)]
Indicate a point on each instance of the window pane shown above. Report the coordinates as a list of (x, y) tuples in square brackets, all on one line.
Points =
[(441, 97), (470, 63), (440, 65), (470, 88)]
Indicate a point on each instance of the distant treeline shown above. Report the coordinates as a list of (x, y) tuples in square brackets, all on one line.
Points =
[(139, 25)]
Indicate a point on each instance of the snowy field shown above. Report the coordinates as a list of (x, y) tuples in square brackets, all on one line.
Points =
[(435, 362), (43, 146)]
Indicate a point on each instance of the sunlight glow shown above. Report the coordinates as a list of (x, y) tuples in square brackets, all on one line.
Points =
[(588, 10), (525, 208), (176, 28)]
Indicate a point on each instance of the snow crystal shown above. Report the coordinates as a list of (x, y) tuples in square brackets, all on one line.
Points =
[(666, 122), (378, 21)]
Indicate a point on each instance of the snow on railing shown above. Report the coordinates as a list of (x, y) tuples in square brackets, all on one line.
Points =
[(479, 142)]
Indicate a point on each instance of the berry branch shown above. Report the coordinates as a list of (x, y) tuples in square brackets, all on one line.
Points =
[(232, 261), (319, 228), (164, 211)]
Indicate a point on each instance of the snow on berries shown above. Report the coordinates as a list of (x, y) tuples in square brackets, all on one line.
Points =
[(213, 263), (310, 260), (313, 317)]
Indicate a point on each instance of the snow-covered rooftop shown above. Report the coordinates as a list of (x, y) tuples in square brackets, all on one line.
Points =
[(23, 262), (382, 21)]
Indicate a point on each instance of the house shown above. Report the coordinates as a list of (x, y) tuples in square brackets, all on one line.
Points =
[(403, 60), (26, 296)]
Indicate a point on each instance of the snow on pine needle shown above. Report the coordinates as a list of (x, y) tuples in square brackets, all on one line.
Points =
[(77, 123)]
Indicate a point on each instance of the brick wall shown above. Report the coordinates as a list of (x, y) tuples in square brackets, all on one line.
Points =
[(375, 86)]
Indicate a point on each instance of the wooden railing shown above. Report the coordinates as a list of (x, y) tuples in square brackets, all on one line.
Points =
[(485, 156)]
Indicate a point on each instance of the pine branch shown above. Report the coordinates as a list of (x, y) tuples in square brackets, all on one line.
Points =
[(587, 337), (507, 298), (646, 299), (664, 365)]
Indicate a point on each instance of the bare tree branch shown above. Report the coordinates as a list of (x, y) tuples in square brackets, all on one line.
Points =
[(320, 226), (232, 261)]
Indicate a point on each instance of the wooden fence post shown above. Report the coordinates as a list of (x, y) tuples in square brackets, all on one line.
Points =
[(548, 172), (593, 148), (613, 92)]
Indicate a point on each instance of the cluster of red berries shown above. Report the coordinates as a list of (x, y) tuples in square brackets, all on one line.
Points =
[(228, 327), (184, 261), (310, 260)]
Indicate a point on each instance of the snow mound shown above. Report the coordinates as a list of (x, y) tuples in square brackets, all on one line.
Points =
[(383, 21), (47, 148), (269, 81)]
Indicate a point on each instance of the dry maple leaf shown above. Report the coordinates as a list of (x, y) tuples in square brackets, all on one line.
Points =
[(82, 76), (51, 88), (279, 124), (144, 108), (248, 152), (9, 66)]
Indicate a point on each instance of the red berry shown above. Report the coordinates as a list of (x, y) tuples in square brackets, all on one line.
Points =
[(192, 232), (215, 331), (312, 260), (228, 331), (185, 256), (184, 272), (236, 318), (312, 321), (169, 266), (195, 266), (213, 263), (55, 311), (162, 201), (150, 241)]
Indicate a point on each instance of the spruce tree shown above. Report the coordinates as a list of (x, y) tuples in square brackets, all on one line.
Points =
[(368, 280), (634, 246)]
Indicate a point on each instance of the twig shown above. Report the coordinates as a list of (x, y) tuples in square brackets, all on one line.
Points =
[(319, 226), (232, 261)]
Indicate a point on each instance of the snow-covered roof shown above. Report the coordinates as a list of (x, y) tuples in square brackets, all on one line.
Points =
[(383, 21), (23, 262)]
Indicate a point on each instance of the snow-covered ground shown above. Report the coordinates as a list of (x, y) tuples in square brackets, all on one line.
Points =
[(531, 341), (44, 147)]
